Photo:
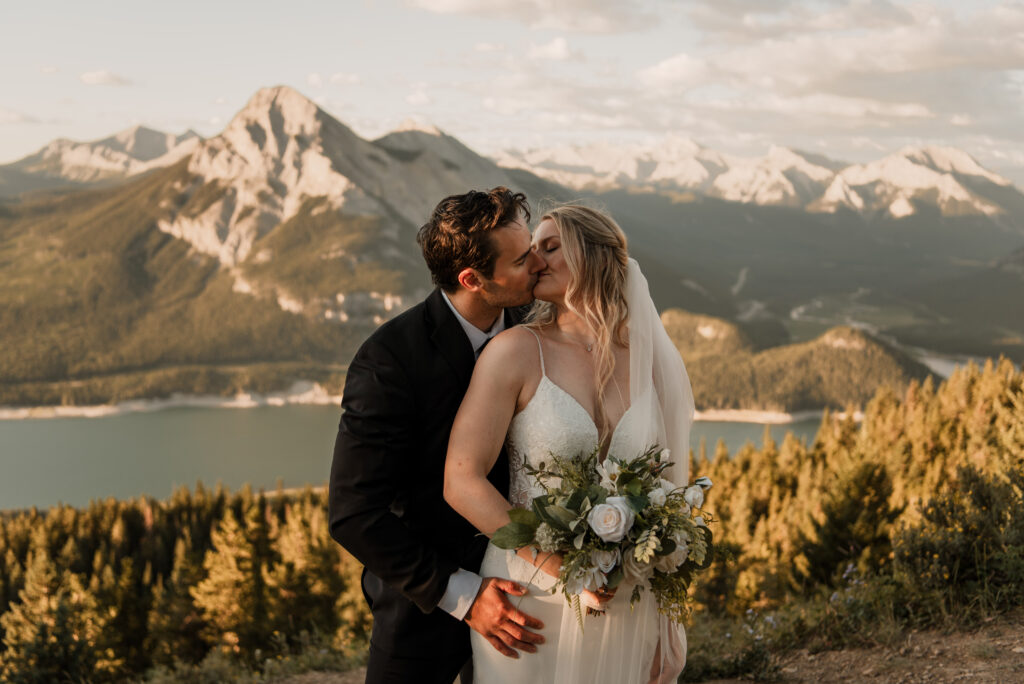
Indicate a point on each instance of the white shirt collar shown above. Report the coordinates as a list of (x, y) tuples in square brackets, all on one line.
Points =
[(477, 337)]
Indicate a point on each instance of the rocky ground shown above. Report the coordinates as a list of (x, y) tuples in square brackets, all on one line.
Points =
[(991, 654)]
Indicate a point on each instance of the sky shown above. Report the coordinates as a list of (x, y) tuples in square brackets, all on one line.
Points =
[(849, 79)]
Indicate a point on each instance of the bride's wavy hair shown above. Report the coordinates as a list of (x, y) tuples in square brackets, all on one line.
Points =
[(594, 248)]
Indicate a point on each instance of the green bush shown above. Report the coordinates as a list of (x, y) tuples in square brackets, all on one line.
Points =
[(966, 555)]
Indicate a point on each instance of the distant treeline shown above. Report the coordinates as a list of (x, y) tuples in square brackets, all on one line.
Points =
[(911, 517)]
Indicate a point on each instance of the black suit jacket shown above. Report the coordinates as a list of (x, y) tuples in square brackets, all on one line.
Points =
[(386, 504)]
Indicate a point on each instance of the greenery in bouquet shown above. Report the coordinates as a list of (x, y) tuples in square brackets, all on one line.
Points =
[(616, 522)]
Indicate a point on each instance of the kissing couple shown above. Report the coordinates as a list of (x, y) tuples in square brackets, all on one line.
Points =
[(436, 430)]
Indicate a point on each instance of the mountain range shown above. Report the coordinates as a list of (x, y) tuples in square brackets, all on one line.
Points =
[(943, 177), (146, 263)]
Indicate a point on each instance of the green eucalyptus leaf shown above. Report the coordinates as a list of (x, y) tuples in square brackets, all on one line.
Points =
[(524, 517), (561, 514), (615, 577), (513, 536), (638, 503)]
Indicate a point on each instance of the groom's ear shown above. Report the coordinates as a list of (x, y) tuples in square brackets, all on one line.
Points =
[(470, 279)]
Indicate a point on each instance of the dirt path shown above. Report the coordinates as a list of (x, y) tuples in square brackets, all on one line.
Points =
[(991, 654)]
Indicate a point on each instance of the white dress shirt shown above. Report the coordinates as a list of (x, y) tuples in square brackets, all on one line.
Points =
[(463, 585)]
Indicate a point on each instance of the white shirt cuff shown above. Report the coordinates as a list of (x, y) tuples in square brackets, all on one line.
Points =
[(458, 598)]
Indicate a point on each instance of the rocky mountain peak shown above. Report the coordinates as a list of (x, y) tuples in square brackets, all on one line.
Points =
[(945, 159)]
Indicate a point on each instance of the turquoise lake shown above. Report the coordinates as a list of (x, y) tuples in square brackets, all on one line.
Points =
[(44, 462)]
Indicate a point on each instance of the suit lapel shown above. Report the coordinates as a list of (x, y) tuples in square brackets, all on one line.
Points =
[(514, 317), (449, 337)]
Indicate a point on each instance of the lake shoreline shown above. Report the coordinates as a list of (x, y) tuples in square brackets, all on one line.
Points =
[(313, 394), (300, 393)]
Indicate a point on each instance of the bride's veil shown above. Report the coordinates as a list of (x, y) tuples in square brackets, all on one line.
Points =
[(653, 359)]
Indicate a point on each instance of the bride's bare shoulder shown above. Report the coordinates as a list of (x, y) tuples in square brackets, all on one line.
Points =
[(512, 351), (512, 342)]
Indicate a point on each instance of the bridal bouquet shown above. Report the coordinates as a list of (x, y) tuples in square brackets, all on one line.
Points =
[(616, 522)]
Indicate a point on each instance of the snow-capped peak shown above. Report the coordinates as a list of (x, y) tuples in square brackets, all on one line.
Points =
[(913, 174), (419, 126), (123, 154), (281, 151), (951, 159)]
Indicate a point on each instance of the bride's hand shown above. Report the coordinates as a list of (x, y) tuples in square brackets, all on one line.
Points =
[(598, 600), (551, 563)]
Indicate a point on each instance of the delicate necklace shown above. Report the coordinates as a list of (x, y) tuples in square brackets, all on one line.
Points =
[(589, 346)]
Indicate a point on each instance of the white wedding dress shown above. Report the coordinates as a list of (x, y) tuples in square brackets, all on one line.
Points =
[(619, 646)]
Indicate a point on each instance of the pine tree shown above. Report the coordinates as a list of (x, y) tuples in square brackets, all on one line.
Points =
[(233, 594), (854, 528), (50, 633), (176, 623)]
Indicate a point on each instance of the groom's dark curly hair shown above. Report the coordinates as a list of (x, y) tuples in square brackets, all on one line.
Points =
[(458, 234)]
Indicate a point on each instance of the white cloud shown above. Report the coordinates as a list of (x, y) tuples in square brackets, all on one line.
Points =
[(8, 116), (821, 104), (961, 120), (583, 16), (103, 77), (489, 47), (681, 69), (418, 97), (557, 51), (345, 78), (314, 80)]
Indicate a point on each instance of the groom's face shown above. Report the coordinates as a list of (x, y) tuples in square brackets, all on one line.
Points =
[(515, 270)]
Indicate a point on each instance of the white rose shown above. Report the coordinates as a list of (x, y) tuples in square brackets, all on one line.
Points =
[(605, 560), (664, 455), (656, 496), (633, 570), (672, 561), (612, 519), (694, 496)]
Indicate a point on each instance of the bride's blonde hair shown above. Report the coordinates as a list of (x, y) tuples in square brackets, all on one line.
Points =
[(594, 248)]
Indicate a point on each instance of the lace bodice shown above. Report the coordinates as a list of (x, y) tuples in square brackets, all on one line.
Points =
[(554, 422)]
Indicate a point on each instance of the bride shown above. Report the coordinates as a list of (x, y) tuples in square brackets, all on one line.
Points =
[(592, 368)]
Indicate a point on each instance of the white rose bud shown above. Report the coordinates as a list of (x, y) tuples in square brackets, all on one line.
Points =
[(694, 496), (699, 520), (605, 560), (664, 455), (633, 570), (612, 519), (656, 496)]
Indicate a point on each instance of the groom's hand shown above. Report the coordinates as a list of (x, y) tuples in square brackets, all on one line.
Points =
[(494, 616)]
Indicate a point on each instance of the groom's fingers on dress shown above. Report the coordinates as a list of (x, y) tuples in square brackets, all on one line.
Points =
[(523, 638), (501, 648), (511, 641), (521, 618), (510, 587)]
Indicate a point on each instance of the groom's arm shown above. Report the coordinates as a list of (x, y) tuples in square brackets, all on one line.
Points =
[(371, 456)]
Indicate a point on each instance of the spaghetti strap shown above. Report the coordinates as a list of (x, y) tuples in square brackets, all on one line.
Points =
[(540, 350)]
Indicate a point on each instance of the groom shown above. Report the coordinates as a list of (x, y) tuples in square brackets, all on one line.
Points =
[(402, 391)]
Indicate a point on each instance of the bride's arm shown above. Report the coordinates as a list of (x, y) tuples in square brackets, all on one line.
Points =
[(500, 375)]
